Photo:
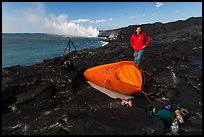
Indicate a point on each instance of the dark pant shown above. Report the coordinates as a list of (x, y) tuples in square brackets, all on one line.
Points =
[(138, 56)]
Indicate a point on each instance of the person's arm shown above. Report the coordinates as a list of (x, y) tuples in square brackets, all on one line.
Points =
[(147, 39)]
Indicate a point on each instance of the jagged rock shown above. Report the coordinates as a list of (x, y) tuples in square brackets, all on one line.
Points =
[(117, 122), (49, 98)]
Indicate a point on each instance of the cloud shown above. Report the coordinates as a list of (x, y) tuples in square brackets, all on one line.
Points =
[(99, 21), (144, 14), (80, 21), (158, 4), (90, 21), (177, 11), (35, 19), (102, 20), (154, 14), (133, 17)]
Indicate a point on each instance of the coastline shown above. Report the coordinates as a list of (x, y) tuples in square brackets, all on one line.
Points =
[(16, 47)]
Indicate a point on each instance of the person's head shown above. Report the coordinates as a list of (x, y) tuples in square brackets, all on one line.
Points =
[(138, 29)]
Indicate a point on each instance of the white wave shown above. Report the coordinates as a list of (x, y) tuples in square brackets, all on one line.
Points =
[(104, 43)]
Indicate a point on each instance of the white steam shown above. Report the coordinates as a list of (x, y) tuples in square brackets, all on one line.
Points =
[(90, 21), (59, 25), (36, 20)]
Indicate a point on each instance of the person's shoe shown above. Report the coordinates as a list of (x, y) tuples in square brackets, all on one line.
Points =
[(127, 102)]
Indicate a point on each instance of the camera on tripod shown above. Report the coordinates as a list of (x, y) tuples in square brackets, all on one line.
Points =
[(67, 63)]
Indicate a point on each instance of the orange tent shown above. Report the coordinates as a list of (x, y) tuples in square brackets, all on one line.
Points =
[(124, 77)]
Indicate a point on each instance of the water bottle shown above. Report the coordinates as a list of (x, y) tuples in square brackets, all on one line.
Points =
[(174, 127), (179, 116)]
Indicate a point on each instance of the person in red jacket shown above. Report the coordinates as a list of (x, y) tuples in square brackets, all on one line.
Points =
[(139, 41)]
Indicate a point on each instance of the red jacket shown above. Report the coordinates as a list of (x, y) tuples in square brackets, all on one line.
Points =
[(138, 41)]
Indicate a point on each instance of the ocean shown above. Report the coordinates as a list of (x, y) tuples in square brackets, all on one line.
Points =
[(30, 48)]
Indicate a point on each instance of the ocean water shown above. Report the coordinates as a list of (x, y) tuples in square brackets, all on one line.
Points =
[(28, 49)]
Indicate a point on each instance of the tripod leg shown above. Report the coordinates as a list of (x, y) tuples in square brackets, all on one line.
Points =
[(73, 45), (68, 44)]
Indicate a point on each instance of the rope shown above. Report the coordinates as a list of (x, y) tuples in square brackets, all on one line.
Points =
[(146, 97), (151, 96), (143, 88)]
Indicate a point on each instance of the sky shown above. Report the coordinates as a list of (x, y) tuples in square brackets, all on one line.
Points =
[(87, 18)]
